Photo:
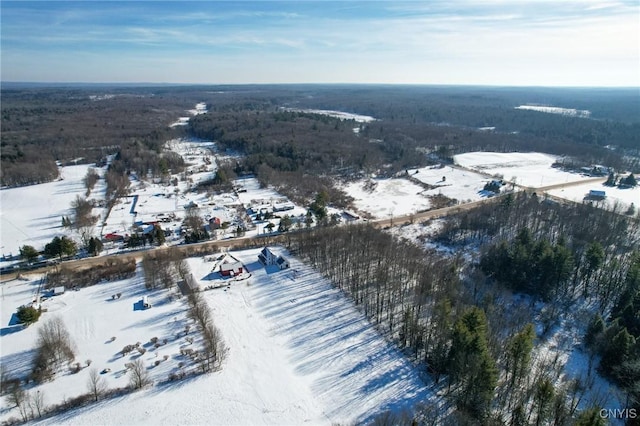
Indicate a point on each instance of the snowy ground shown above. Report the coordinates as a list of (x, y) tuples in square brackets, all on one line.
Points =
[(531, 169), (299, 352), (387, 197), (335, 114), (557, 110), (615, 195), (200, 108), (33, 214), (462, 185)]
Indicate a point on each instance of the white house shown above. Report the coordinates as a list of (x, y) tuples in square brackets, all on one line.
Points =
[(268, 258), (282, 263)]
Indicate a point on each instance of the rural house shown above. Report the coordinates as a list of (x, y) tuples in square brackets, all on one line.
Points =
[(268, 258)]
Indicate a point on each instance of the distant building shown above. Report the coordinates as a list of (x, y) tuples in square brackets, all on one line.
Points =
[(595, 194), (215, 223), (350, 216), (283, 207)]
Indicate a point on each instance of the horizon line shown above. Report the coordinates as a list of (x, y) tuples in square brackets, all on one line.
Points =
[(176, 84)]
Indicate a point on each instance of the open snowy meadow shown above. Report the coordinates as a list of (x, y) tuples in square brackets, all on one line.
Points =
[(622, 197), (383, 198), (298, 351), (532, 169), (33, 214)]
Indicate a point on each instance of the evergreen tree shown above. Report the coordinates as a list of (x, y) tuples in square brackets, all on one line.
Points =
[(611, 179), (519, 354), (28, 315), (158, 234), (95, 246), (618, 350), (594, 257), (542, 398), (629, 180), (471, 365), (590, 417), (285, 224), (61, 247), (29, 253)]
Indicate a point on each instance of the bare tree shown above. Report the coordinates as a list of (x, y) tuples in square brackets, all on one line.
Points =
[(36, 403), (96, 384), (82, 209), (15, 393), (193, 220), (214, 351), (18, 398), (54, 347), (54, 342), (139, 376)]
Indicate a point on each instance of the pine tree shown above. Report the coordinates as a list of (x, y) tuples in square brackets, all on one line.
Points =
[(629, 180), (611, 180), (542, 398), (471, 365), (519, 354), (590, 417), (618, 350), (95, 246)]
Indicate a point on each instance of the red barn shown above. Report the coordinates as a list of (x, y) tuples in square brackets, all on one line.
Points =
[(231, 269)]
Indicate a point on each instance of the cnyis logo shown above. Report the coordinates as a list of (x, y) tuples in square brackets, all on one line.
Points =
[(619, 413)]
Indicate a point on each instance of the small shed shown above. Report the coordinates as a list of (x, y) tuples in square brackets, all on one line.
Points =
[(145, 302), (58, 290), (595, 194)]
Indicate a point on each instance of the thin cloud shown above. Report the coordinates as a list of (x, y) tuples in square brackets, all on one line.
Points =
[(335, 41)]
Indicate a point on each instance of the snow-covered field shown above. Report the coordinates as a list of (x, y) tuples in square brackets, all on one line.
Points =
[(531, 169), (387, 197), (623, 197), (200, 108), (335, 114), (557, 110), (299, 352), (33, 214), (462, 185)]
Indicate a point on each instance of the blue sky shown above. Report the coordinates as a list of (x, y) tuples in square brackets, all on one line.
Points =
[(490, 42)]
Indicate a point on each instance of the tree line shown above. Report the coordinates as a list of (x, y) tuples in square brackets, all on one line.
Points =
[(451, 315)]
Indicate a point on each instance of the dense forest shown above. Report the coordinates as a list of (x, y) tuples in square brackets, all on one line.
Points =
[(460, 320), (42, 126)]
